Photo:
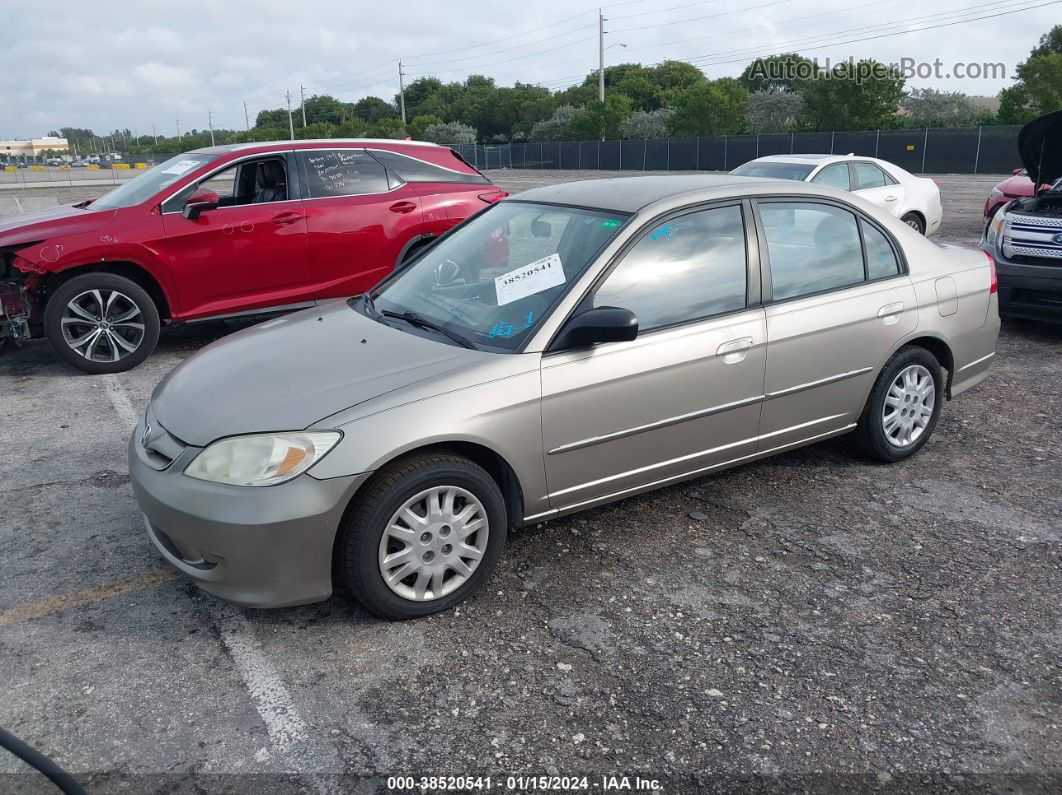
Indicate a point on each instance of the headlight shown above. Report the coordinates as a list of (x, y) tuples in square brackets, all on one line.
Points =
[(994, 233), (263, 459)]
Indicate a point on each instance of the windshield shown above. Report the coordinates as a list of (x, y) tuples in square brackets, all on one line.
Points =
[(140, 189), (496, 278), (794, 171)]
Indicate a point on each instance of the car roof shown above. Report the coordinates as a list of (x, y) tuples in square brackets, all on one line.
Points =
[(631, 194), (303, 143)]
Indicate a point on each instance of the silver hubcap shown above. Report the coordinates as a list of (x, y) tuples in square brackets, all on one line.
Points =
[(908, 405), (433, 543), (103, 325), (913, 223)]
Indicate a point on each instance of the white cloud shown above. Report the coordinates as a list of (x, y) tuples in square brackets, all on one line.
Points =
[(132, 63)]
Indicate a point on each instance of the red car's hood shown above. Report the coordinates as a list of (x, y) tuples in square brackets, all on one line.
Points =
[(61, 220), (1040, 147), (1018, 185)]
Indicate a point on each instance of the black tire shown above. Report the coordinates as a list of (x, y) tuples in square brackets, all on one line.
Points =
[(870, 435), (914, 220), (128, 293), (359, 545)]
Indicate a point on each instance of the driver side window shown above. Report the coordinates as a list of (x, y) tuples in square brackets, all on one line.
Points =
[(687, 268), (247, 182)]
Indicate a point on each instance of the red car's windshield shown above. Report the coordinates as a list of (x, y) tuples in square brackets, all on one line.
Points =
[(141, 188)]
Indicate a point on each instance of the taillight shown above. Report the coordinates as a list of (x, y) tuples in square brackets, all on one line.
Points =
[(994, 284), (490, 198)]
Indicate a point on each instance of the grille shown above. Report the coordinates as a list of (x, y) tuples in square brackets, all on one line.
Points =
[(1034, 220)]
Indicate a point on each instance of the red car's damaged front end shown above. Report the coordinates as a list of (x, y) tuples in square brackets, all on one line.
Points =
[(31, 248)]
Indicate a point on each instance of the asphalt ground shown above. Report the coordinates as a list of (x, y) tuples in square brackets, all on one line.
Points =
[(811, 622)]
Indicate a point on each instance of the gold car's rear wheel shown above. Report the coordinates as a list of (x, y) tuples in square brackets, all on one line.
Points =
[(903, 407)]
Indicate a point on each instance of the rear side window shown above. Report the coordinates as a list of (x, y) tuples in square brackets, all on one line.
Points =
[(811, 247), (412, 169), (870, 176), (342, 172), (881, 258), (835, 176), (686, 268)]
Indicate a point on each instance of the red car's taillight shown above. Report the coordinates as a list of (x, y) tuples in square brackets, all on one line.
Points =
[(490, 198), (993, 286)]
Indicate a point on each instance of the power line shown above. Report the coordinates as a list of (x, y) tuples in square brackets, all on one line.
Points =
[(877, 29)]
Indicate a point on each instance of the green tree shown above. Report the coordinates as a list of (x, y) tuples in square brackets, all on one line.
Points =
[(787, 71), (859, 96), (774, 111), (1050, 42), (557, 127), (646, 124), (451, 132), (711, 107), (373, 109), (323, 108), (419, 124), (928, 107), (601, 120), (1038, 88), (1042, 77)]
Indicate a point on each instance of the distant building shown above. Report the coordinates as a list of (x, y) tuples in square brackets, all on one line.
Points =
[(32, 147)]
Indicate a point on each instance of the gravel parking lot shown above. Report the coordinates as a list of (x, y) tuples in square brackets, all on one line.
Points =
[(809, 622)]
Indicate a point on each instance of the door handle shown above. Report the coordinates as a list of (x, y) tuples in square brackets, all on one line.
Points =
[(286, 217), (402, 207), (890, 198), (734, 350), (891, 310)]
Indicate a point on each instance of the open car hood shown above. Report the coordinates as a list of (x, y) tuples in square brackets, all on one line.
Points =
[(1040, 147)]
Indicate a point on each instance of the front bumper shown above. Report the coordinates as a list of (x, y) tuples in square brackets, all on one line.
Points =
[(1033, 292), (267, 546)]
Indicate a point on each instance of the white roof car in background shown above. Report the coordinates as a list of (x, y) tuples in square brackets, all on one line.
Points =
[(914, 200)]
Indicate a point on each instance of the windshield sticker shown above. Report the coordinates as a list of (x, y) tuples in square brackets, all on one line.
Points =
[(663, 232), (529, 279), (180, 167), (509, 330), (610, 223)]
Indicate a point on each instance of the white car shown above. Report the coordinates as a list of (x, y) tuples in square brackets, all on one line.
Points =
[(914, 200)]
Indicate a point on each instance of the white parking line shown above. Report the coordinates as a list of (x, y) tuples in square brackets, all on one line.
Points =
[(120, 400), (271, 698)]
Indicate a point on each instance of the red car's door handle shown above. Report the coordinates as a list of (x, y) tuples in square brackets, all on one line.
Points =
[(286, 217), (402, 207)]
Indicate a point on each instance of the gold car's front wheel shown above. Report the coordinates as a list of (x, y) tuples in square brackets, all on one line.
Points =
[(424, 534)]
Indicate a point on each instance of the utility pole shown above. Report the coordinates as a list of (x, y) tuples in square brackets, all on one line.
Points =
[(154, 134), (178, 129), (600, 56), (302, 98), (291, 122), (246, 117), (402, 93), (210, 124)]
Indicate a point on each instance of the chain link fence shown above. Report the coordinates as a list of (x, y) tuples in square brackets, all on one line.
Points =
[(964, 150)]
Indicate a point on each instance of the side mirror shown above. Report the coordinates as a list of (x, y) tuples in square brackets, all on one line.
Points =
[(601, 324), (541, 228), (446, 272), (200, 200)]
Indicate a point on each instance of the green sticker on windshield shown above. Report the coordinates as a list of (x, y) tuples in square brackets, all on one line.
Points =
[(610, 223)]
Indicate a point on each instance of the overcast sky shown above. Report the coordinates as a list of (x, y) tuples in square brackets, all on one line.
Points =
[(131, 64)]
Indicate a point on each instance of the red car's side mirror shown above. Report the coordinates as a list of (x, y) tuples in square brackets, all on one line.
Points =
[(200, 200)]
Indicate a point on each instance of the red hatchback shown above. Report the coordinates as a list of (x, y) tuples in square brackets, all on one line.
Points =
[(223, 231)]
